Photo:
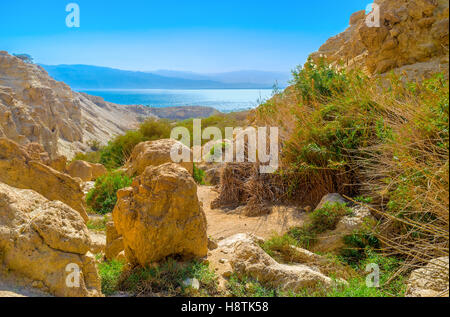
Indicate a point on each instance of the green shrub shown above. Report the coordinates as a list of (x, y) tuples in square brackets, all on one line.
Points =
[(199, 175), (320, 220), (115, 154), (327, 217), (110, 272), (356, 245), (103, 197), (92, 157), (153, 129)]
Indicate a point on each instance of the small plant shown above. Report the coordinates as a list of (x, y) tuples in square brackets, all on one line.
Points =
[(91, 157), (168, 278), (110, 272), (94, 145), (327, 217), (249, 287), (103, 197), (98, 224), (321, 220), (199, 175)]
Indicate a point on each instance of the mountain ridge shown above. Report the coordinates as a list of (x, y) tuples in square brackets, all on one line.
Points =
[(80, 76)]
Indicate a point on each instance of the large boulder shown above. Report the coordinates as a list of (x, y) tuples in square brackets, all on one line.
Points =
[(240, 254), (46, 241), (430, 280), (160, 215), (18, 169), (85, 171), (154, 153)]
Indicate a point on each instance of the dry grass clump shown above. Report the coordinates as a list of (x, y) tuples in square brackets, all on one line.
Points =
[(409, 174)]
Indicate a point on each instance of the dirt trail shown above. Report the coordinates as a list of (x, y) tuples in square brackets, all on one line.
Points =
[(224, 223)]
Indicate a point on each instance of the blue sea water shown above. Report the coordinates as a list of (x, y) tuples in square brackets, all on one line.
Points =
[(224, 100)]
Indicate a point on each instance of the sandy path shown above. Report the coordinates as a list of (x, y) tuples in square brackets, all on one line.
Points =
[(225, 223)]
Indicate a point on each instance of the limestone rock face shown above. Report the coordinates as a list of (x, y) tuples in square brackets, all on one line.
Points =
[(412, 37), (34, 108), (18, 169), (40, 238), (431, 280), (160, 215), (86, 171), (242, 254), (114, 242), (154, 153)]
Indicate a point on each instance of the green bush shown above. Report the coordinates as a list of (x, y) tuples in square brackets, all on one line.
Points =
[(110, 273), (199, 175), (320, 220), (103, 197)]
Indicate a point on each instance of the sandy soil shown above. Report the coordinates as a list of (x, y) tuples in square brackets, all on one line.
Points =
[(224, 223)]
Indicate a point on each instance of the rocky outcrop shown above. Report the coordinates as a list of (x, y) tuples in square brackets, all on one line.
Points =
[(46, 241), (36, 108), (412, 38), (114, 242), (154, 153), (240, 254), (18, 169), (160, 215), (86, 171), (431, 280)]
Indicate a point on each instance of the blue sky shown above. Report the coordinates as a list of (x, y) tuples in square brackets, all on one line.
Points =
[(199, 36)]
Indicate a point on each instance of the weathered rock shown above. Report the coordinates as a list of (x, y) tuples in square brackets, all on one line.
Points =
[(412, 38), (86, 171), (98, 170), (80, 169), (160, 215), (34, 108), (114, 242), (45, 241), (19, 170), (248, 259), (58, 163), (154, 153), (98, 242), (431, 280), (331, 199)]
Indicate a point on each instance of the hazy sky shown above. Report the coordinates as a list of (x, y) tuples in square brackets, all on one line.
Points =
[(200, 36)]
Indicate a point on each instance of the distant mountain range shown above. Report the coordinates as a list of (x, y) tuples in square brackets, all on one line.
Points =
[(95, 77)]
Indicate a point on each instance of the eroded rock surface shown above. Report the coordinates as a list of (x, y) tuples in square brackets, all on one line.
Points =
[(154, 153), (86, 171), (35, 108), (160, 215), (44, 241), (240, 254), (431, 280), (412, 38), (18, 169)]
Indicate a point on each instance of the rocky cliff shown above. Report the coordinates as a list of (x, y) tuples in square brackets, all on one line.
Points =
[(412, 38), (36, 108)]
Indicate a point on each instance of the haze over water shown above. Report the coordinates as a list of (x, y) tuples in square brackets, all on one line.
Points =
[(224, 100)]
